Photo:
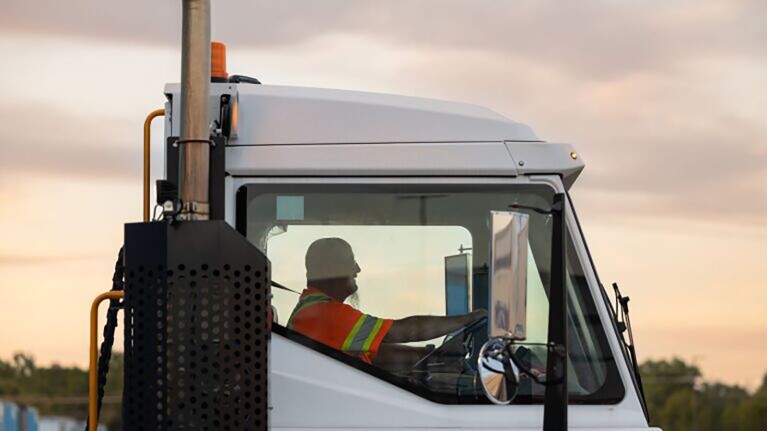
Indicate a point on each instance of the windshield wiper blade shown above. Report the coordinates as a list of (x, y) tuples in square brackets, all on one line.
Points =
[(623, 321)]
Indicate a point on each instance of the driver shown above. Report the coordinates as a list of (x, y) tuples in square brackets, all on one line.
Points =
[(321, 314)]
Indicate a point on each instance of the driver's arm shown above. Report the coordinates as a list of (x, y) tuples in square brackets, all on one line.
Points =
[(422, 328)]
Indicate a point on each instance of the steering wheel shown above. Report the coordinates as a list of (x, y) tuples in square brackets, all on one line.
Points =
[(457, 336)]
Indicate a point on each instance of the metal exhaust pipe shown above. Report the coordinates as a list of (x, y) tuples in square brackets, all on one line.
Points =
[(194, 144)]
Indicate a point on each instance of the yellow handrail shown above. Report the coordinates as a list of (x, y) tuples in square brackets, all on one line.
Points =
[(93, 419), (147, 137)]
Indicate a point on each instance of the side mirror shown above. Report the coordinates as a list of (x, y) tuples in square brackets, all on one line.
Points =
[(498, 373), (508, 275), (457, 283)]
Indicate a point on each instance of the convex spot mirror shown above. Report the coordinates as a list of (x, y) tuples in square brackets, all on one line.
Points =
[(508, 275), (498, 374)]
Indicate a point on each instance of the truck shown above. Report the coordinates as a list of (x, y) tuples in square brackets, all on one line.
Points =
[(410, 183), (439, 209)]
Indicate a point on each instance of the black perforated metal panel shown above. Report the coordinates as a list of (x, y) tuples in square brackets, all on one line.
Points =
[(196, 329)]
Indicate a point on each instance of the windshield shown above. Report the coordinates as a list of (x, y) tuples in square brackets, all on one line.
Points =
[(415, 251)]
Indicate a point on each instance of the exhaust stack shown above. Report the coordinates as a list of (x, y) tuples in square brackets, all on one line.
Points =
[(195, 141), (197, 295)]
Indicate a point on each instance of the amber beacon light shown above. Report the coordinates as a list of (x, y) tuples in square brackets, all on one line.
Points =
[(218, 62)]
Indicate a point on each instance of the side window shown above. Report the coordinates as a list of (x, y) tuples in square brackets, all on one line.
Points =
[(396, 284), (401, 267)]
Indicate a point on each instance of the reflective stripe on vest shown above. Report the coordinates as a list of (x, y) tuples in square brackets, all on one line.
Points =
[(306, 302), (362, 334)]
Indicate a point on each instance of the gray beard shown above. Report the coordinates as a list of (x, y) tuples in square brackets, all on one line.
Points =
[(354, 300)]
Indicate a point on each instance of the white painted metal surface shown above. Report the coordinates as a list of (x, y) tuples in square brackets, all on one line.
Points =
[(312, 391), (475, 159), (273, 115), (393, 159), (309, 131)]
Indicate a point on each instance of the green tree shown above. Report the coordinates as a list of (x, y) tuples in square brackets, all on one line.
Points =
[(662, 380), (715, 406), (58, 390), (678, 400), (9, 384), (754, 410), (678, 411)]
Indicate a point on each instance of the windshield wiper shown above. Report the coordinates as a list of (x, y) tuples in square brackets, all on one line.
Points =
[(623, 322)]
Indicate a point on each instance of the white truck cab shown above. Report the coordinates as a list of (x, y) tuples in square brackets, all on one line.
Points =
[(409, 183)]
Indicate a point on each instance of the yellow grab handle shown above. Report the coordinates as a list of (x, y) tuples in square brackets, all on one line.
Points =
[(147, 138), (93, 371)]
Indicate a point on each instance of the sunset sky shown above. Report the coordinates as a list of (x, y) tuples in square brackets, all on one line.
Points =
[(665, 101)]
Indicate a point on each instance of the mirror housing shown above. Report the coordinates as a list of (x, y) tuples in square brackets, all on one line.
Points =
[(508, 275)]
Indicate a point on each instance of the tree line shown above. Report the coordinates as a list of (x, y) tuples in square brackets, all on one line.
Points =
[(678, 399), (60, 391)]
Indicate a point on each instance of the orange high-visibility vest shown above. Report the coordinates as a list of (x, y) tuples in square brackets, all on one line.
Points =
[(340, 326)]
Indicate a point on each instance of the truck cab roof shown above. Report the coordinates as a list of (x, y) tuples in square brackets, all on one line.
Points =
[(282, 130)]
